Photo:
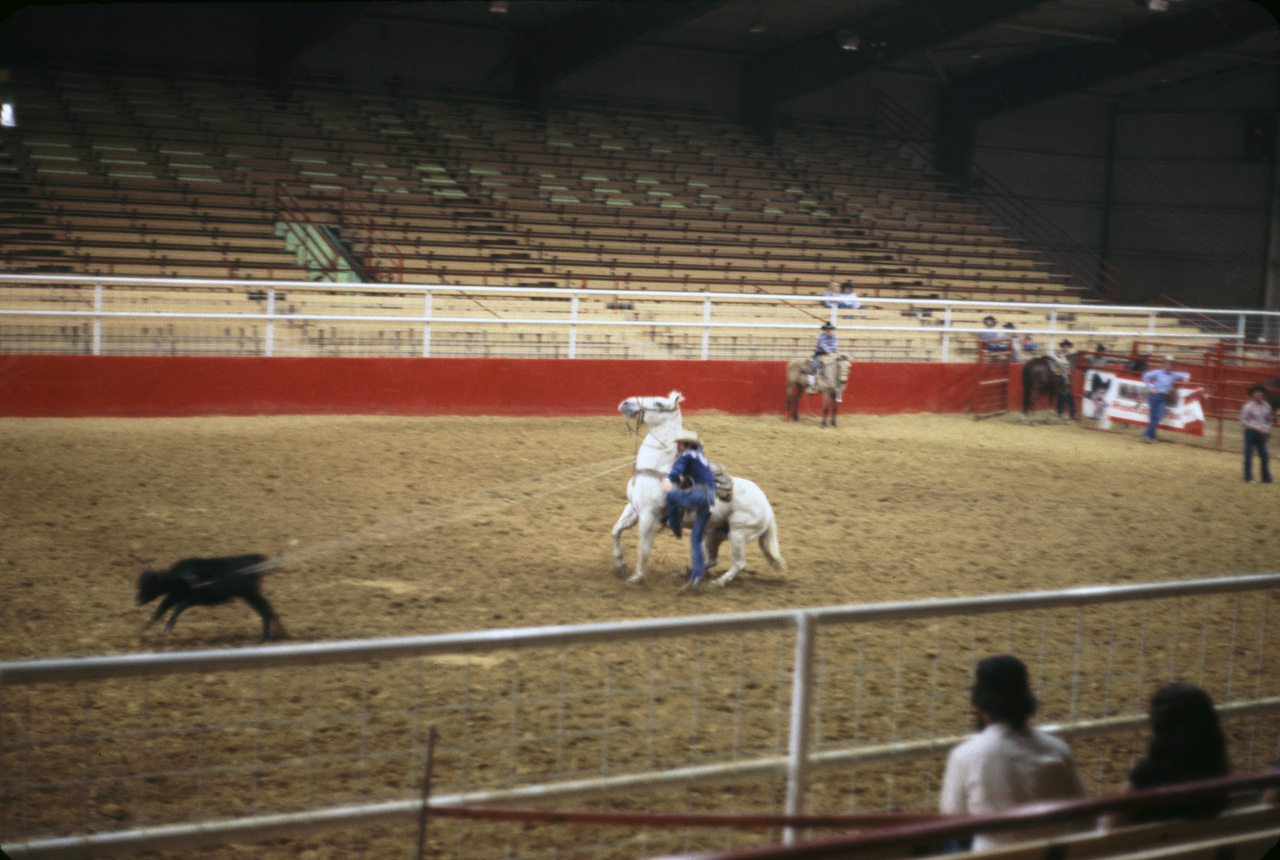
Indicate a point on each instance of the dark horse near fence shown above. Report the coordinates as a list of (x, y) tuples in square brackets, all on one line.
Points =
[(1272, 392), (1040, 376)]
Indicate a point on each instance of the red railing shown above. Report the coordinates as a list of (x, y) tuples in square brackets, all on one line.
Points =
[(381, 260), (296, 209)]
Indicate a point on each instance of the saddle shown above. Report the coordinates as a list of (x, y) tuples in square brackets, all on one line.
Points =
[(724, 483), (825, 373)]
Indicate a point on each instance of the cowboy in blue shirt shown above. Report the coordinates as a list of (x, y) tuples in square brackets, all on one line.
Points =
[(1160, 385), (827, 345), (691, 464)]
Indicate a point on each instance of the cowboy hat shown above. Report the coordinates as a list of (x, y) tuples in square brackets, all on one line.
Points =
[(686, 435), (827, 326)]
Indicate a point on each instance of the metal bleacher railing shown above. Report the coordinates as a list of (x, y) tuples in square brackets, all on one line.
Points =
[(98, 315)]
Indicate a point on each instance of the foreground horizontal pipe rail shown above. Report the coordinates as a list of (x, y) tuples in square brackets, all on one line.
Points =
[(483, 641)]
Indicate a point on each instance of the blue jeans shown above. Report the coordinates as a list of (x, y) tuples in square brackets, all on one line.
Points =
[(699, 500), (1253, 439), (1156, 403)]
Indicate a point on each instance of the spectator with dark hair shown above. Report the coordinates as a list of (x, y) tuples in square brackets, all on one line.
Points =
[(1187, 745), (1008, 763), (841, 298), (991, 336)]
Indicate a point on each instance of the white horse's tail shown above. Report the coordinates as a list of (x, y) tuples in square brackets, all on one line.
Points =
[(769, 546)]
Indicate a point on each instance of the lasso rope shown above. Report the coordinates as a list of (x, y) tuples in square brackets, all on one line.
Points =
[(476, 505)]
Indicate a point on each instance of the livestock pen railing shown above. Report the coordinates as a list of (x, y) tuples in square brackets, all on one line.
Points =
[(98, 315), (848, 708)]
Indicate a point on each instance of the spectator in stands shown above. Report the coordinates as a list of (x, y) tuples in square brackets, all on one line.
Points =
[(1011, 332), (827, 345), (1008, 763), (1099, 359), (844, 299), (1187, 745), (692, 469), (832, 295), (1029, 345), (1161, 391), (1256, 417), (992, 336)]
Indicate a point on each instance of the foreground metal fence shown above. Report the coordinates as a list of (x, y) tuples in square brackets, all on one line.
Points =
[(826, 710), (65, 314)]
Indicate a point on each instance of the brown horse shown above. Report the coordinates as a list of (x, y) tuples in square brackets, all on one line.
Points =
[(1272, 392), (833, 376), (1040, 376)]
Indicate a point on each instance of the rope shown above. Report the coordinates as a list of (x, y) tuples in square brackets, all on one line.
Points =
[(478, 504)]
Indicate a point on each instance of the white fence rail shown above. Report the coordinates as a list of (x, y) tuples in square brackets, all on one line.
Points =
[(66, 314), (828, 709)]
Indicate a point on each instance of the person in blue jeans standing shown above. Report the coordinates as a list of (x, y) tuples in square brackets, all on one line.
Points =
[(1161, 391), (1256, 417), (698, 497)]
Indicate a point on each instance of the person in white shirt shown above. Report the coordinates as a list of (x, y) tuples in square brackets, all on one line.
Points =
[(1007, 764), (1256, 417), (843, 299)]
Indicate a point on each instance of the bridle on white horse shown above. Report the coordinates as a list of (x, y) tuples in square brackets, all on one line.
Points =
[(635, 431), (640, 413)]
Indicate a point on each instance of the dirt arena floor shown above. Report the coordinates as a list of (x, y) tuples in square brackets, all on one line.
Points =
[(378, 519), (882, 508)]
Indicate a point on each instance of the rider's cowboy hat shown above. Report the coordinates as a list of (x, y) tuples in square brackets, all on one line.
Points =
[(827, 326), (690, 436)]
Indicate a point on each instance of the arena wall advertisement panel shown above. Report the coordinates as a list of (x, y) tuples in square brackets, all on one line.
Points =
[(80, 386), (1117, 397)]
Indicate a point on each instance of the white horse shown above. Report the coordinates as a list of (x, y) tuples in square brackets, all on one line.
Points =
[(747, 517), (646, 502)]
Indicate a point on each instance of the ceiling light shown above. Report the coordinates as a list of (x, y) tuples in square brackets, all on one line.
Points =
[(849, 41), (1158, 5), (499, 7)]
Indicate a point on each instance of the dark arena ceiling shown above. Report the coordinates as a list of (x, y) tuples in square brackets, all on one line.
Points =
[(1112, 48), (996, 55)]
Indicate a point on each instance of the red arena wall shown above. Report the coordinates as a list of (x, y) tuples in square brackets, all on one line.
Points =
[(78, 386)]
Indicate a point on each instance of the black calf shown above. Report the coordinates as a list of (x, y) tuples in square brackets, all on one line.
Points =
[(206, 582)]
